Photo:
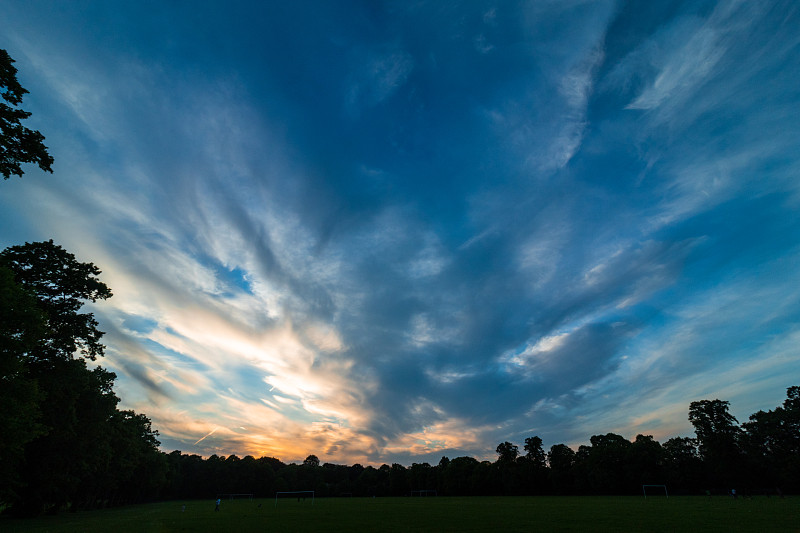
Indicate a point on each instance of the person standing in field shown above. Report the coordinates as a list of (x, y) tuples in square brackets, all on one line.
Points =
[(219, 501)]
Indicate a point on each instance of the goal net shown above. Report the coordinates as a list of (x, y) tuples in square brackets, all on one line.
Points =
[(426, 492), (300, 495), (654, 490)]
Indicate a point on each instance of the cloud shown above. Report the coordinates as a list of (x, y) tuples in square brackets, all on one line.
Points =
[(376, 77), (460, 228), (683, 70), (567, 361)]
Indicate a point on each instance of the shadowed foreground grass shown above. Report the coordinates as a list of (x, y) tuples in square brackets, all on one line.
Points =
[(435, 514)]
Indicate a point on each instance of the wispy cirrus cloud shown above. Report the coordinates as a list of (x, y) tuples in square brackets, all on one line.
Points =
[(429, 230), (376, 77)]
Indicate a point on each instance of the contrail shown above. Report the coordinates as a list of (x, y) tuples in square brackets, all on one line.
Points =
[(205, 437)]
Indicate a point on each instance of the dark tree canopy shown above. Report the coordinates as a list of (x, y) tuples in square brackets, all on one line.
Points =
[(18, 144), (311, 460), (21, 329), (534, 451), (560, 457), (718, 440), (507, 452), (772, 440), (61, 285), (64, 442), (716, 429), (777, 431), (21, 323)]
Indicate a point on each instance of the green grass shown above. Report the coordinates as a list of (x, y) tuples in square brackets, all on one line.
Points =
[(505, 514)]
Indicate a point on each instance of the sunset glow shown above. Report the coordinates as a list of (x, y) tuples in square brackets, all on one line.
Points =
[(391, 232)]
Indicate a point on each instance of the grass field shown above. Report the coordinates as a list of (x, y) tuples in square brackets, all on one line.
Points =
[(502, 514)]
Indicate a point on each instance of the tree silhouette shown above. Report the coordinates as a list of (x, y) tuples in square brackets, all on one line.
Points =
[(507, 452), (81, 450), (21, 328), (644, 462), (61, 284), (534, 452), (718, 435), (561, 459), (683, 464), (18, 144), (311, 460), (772, 442)]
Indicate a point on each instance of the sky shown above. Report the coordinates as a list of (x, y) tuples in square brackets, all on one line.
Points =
[(387, 232)]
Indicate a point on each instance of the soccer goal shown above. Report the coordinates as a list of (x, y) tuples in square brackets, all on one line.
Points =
[(654, 490), (426, 492), (299, 494)]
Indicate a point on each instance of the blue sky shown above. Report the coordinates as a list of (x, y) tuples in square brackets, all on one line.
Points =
[(392, 231)]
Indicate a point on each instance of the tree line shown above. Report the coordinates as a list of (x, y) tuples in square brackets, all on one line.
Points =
[(761, 456), (65, 444)]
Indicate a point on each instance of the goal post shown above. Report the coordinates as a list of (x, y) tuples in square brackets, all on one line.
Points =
[(423, 492), (295, 493), (655, 489)]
